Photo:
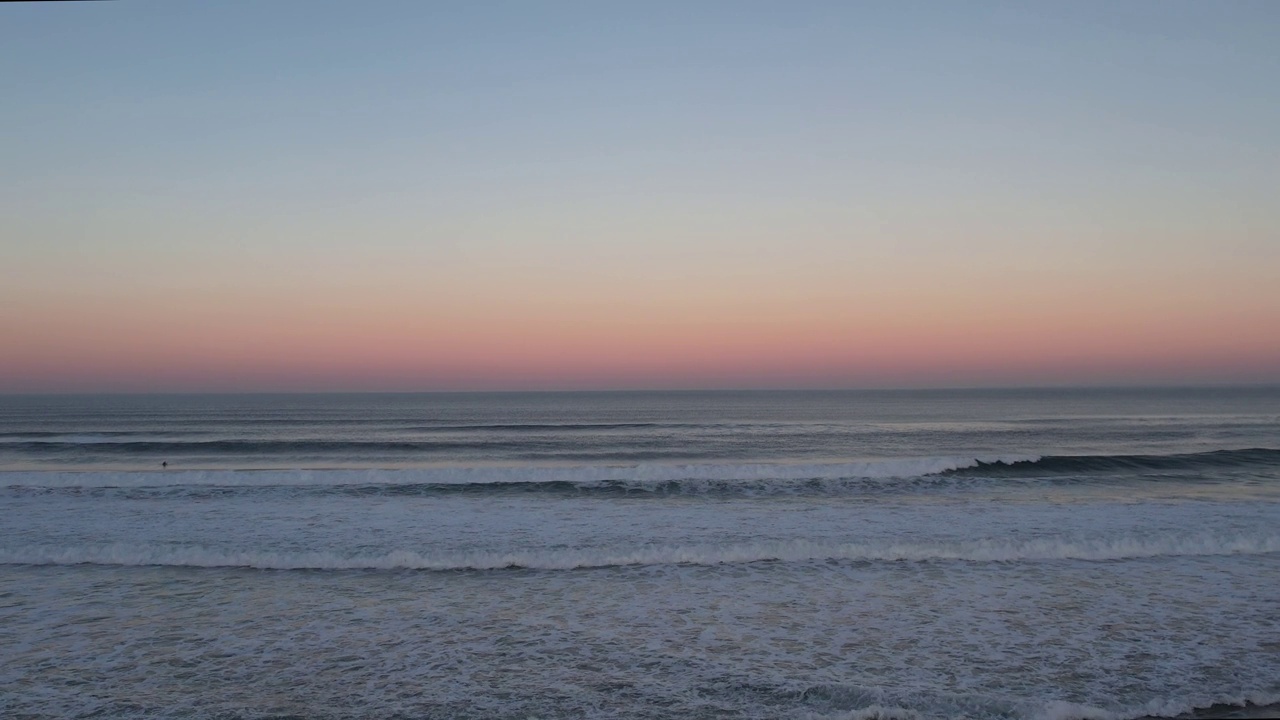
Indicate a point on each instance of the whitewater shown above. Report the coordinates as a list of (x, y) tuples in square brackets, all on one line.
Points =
[(1030, 554)]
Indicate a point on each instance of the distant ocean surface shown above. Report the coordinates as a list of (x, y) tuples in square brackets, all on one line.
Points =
[(1050, 554)]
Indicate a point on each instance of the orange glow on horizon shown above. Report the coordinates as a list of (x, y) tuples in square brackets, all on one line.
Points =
[(315, 351)]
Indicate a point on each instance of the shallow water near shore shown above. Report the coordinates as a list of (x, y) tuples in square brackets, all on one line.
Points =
[(982, 554)]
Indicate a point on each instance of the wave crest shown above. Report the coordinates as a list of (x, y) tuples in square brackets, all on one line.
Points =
[(1105, 464)]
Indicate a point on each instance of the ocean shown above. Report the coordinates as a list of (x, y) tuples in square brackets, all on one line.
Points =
[(1038, 554)]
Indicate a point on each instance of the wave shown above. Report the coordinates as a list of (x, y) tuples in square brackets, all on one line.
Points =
[(157, 447), (653, 479), (177, 441), (54, 441), (989, 551), (915, 705), (671, 477), (1256, 704), (561, 427), (601, 489), (1109, 464)]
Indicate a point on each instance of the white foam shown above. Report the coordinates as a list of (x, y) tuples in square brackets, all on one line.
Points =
[(1060, 710), (880, 712), (1173, 707), (871, 712), (646, 473), (795, 551), (1161, 707)]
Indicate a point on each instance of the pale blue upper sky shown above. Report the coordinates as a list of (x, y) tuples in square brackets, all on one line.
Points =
[(412, 92), (161, 144)]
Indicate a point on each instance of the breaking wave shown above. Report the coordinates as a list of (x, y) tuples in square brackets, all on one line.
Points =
[(1103, 464)]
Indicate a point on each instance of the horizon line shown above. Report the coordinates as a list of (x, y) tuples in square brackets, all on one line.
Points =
[(1268, 385)]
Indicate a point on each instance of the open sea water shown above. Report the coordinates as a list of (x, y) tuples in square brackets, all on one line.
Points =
[(897, 554)]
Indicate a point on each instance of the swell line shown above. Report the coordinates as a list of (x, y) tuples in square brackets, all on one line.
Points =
[(694, 476), (989, 551), (652, 479)]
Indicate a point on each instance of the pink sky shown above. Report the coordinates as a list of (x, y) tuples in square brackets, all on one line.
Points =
[(834, 196), (448, 336)]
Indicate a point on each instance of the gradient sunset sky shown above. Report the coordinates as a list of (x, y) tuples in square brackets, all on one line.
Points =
[(313, 195)]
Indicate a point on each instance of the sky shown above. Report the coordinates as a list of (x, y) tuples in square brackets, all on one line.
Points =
[(409, 196)]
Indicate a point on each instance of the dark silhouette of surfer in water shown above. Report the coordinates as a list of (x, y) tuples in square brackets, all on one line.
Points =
[(164, 464)]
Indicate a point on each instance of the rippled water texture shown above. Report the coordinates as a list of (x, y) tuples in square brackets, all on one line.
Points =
[(1057, 554)]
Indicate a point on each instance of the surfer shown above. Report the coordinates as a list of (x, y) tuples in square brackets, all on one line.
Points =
[(164, 464)]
